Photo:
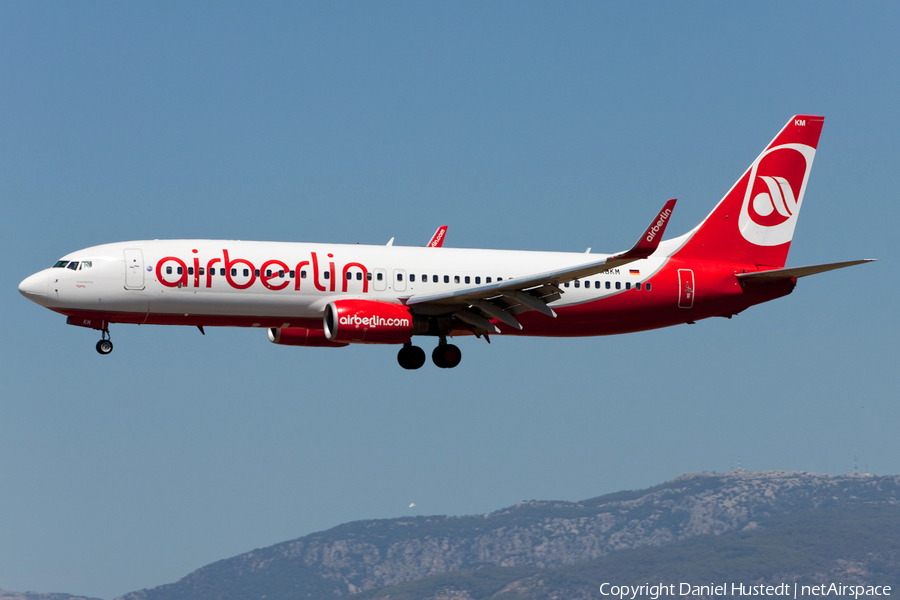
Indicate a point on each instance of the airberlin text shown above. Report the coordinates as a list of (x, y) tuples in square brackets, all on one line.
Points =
[(375, 321), (708, 590), (660, 223), (272, 274)]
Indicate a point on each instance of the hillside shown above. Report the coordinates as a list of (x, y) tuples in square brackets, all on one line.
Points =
[(847, 544), (567, 539)]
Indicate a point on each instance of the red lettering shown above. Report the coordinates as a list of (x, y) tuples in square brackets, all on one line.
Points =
[(196, 271), (315, 264), (182, 279), (297, 273), (347, 267), (331, 268), (209, 270), (264, 279), (228, 264)]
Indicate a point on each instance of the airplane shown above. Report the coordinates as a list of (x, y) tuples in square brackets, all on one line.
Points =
[(333, 295)]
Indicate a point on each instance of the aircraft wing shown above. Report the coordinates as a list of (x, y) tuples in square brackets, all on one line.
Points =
[(437, 240), (503, 299), (794, 272)]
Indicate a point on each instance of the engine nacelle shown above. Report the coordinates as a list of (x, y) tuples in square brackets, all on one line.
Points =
[(368, 322), (298, 336)]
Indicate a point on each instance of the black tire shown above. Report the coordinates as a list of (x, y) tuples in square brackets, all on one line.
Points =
[(104, 347), (446, 356), (411, 357)]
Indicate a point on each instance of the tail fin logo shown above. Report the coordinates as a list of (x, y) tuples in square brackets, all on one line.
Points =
[(774, 194)]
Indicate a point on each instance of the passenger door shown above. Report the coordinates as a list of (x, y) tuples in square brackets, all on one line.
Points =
[(134, 269), (686, 290)]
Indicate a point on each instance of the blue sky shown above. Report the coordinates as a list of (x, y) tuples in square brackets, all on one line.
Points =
[(521, 126)]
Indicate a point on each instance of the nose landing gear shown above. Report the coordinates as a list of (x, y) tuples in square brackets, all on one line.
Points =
[(105, 345)]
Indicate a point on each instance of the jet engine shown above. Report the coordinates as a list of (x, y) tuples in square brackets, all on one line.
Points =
[(369, 322), (298, 336)]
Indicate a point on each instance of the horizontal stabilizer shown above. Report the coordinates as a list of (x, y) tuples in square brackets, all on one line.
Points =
[(794, 272)]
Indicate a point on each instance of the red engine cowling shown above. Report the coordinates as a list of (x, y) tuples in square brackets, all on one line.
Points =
[(368, 322), (298, 336)]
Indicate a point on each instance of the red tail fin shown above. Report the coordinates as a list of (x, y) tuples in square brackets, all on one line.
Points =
[(754, 222)]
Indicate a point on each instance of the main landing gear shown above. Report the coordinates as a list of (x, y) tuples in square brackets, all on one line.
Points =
[(105, 346), (411, 357), (445, 356)]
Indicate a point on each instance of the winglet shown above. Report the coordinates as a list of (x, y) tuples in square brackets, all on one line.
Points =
[(437, 240), (649, 241)]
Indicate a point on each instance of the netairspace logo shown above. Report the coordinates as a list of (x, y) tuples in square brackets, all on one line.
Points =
[(784, 590)]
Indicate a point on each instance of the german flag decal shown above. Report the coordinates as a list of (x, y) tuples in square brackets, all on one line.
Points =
[(634, 271)]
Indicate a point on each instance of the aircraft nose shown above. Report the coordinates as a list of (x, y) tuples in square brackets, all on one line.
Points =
[(35, 287)]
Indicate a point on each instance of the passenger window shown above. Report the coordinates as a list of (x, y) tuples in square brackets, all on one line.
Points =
[(456, 279), (618, 285), (446, 279), (190, 270), (222, 272), (180, 270), (359, 275), (200, 271), (327, 274), (637, 286), (627, 285), (434, 278), (380, 276), (234, 272), (281, 273), (268, 273), (349, 275), (577, 283), (566, 284), (597, 285), (368, 277), (412, 277), (467, 279), (168, 270), (399, 276), (648, 286), (487, 279), (477, 279), (246, 272), (424, 278), (291, 274), (499, 279), (607, 285)]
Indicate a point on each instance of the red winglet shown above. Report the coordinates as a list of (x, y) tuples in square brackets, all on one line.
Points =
[(650, 240), (437, 240)]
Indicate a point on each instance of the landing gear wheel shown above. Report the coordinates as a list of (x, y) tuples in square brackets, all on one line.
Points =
[(104, 347), (446, 356), (411, 357)]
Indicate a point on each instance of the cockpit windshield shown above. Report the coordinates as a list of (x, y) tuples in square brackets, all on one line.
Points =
[(72, 264)]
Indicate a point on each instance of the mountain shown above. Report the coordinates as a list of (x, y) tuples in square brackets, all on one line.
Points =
[(519, 549), (7, 595), (853, 545)]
